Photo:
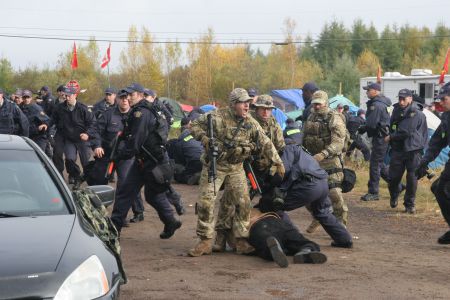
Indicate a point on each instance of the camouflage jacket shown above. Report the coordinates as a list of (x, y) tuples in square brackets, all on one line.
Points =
[(237, 139), (325, 132)]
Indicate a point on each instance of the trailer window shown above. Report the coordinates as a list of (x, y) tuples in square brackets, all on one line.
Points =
[(426, 90)]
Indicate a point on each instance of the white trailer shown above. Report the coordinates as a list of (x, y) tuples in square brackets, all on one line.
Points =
[(421, 82)]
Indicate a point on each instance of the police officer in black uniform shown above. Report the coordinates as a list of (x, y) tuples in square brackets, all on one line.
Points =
[(305, 184), (109, 124), (12, 119), (145, 135), (353, 123), (150, 95), (47, 101), (187, 152), (75, 126), (440, 140), (37, 119), (377, 127), (408, 137), (106, 103), (292, 133)]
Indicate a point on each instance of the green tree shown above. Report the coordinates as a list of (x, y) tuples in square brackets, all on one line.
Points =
[(333, 43), (6, 74)]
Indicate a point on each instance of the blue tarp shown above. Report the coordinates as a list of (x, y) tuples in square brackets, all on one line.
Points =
[(280, 116), (292, 96), (208, 107), (339, 99)]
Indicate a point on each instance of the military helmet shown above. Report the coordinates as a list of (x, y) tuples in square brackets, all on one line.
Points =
[(320, 97), (264, 101), (239, 95)]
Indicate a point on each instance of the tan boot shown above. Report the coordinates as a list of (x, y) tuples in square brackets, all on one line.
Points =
[(313, 226), (204, 247), (243, 247), (221, 241)]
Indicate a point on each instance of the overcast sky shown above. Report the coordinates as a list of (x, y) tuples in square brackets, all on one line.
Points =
[(249, 20)]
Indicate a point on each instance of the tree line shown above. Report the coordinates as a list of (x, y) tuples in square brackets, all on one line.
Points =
[(203, 71)]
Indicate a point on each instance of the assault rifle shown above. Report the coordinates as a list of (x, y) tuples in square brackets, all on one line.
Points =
[(213, 152)]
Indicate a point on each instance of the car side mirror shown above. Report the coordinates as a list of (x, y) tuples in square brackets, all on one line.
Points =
[(106, 193)]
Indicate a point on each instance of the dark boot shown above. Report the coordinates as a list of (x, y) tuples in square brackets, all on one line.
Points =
[(307, 256), (169, 229), (445, 238), (370, 197), (137, 218), (342, 245), (277, 253)]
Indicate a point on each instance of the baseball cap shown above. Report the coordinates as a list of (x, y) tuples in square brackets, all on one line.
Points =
[(320, 97), (124, 92), (252, 92), (110, 90), (149, 92), (27, 93), (69, 90), (185, 121), (444, 91), (404, 93), (239, 95), (361, 112), (60, 88), (372, 86), (136, 87), (310, 86), (289, 121), (264, 101), (45, 88)]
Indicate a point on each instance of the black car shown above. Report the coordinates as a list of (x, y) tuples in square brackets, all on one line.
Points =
[(47, 249)]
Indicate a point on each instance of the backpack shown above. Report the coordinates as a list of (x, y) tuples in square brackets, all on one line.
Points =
[(95, 215)]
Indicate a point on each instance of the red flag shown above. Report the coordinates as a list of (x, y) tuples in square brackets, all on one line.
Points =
[(107, 58), (444, 68), (74, 64), (379, 74)]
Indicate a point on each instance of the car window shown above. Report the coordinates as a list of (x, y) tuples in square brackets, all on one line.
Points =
[(26, 189)]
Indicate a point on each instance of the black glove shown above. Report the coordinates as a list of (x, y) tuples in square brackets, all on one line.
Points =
[(362, 129), (422, 169)]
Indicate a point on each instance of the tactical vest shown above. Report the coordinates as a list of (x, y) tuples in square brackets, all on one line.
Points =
[(317, 133), (95, 215)]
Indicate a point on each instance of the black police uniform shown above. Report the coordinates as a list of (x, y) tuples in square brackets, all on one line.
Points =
[(353, 123), (101, 106), (47, 104), (163, 107), (12, 119), (187, 152), (109, 123), (70, 123), (306, 184), (440, 140), (293, 134), (377, 120), (144, 140), (408, 138), (36, 117)]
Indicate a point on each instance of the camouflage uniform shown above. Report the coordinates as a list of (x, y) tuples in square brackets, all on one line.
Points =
[(234, 147), (274, 132), (324, 136)]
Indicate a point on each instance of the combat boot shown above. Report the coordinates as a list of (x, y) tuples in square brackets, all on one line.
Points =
[(221, 241), (276, 251), (410, 210), (313, 226), (169, 229), (370, 197), (243, 247), (308, 256), (444, 239), (202, 248)]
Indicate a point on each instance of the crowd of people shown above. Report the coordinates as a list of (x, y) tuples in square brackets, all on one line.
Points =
[(302, 166)]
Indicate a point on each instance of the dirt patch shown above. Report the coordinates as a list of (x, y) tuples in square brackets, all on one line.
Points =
[(395, 257)]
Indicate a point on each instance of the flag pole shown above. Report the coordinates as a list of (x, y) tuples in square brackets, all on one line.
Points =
[(109, 83)]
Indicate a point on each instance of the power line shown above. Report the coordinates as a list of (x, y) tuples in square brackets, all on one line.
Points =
[(242, 41)]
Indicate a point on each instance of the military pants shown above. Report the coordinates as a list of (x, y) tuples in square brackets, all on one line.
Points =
[(340, 209), (126, 195), (70, 150), (399, 162), (379, 148), (442, 192), (235, 182), (290, 239)]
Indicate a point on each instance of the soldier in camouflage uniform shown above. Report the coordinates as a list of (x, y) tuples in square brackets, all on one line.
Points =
[(263, 114), (324, 137), (238, 136)]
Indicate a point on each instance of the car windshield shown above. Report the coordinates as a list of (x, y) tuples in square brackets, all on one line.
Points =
[(26, 189)]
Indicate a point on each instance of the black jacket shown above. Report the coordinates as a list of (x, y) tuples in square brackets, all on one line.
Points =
[(12, 119), (36, 117), (377, 116), (440, 139)]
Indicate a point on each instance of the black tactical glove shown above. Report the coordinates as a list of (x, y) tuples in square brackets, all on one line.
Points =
[(422, 169), (362, 129)]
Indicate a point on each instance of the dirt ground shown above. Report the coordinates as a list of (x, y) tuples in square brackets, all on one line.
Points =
[(394, 257)]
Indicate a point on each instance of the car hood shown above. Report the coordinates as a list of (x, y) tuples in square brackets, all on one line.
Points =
[(32, 245)]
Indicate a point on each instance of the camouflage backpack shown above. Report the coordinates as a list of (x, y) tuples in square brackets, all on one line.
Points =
[(95, 214)]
